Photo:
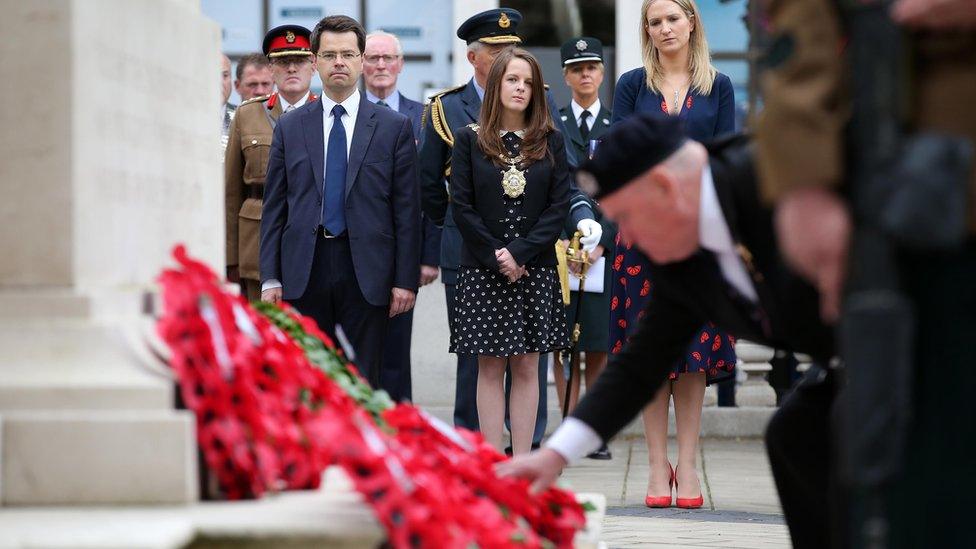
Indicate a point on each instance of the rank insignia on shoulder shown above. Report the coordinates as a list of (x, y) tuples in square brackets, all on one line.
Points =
[(258, 99), (448, 90)]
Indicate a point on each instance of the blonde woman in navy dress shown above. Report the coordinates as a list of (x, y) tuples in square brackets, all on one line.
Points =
[(677, 79), (510, 191)]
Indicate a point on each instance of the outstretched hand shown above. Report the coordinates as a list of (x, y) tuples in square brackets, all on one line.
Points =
[(542, 467), (814, 230)]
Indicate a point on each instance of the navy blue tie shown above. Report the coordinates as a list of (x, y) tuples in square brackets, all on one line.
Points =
[(333, 209)]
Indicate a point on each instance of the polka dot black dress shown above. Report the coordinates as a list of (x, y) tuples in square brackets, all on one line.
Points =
[(495, 317)]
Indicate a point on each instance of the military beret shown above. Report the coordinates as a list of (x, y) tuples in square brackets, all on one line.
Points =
[(582, 48), (495, 26), (630, 148), (287, 40)]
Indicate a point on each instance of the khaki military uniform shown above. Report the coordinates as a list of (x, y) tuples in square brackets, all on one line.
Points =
[(245, 166), (801, 142), (800, 135)]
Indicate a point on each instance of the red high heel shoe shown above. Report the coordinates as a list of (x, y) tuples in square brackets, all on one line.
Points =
[(661, 501), (687, 503)]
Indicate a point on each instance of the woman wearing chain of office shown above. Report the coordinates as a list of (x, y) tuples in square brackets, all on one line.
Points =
[(510, 191)]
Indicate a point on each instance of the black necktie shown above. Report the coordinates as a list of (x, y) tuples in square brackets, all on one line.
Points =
[(584, 128), (381, 102)]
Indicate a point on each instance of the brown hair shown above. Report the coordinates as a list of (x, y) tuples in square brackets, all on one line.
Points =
[(338, 24), (258, 60), (538, 122)]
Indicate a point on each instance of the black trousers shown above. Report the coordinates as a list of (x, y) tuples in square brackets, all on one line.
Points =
[(800, 443), (333, 298), (931, 503), (466, 389), (395, 370)]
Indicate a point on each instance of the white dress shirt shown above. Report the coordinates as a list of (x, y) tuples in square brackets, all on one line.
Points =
[(392, 100), (351, 104), (593, 109), (574, 439)]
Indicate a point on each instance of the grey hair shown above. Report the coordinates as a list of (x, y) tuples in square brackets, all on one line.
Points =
[(474, 46), (396, 40)]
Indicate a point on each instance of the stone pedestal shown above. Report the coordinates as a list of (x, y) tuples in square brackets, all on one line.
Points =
[(754, 361), (111, 141)]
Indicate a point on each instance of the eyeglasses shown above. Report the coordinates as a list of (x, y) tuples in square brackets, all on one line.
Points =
[(331, 56), (374, 59), (290, 60)]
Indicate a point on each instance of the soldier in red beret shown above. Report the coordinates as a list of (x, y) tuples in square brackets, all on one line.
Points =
[(289, 49)]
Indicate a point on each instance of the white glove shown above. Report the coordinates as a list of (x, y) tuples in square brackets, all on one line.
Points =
[(592, 232)]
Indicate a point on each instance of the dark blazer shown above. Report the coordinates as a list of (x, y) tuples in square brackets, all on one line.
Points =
[(414, 111), (691, 292), (430, 247), (462, 106), (382, 201), (479, 205), (599, 127), (708, 116)]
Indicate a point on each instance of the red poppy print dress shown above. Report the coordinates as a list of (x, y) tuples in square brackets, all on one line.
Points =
[(711, 350)]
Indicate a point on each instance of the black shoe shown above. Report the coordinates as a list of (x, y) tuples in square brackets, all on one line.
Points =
[(603, 453)]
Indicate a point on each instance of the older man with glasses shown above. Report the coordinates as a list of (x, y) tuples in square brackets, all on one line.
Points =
[(246, 158), (382, 63)]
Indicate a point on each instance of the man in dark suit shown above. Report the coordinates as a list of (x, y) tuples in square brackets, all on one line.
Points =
[(698, 216), (340, 234), (585, 118), (383, 61), (486, 33)]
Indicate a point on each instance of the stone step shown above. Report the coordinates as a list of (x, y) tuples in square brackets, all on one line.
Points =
[(333, 516), (78, 365), (71, 457), (745, 422)]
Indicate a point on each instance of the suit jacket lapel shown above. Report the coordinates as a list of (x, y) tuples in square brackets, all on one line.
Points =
[(601, 124), (472, 103), (362, 133), (314, 141)]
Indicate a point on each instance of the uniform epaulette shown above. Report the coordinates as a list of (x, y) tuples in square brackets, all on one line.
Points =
[(256, 99), (448, 90), (438, 118)]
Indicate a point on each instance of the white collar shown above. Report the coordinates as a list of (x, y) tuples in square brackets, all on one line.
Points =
[(296, 104), (351, 104), (578, 110), (715, 236)]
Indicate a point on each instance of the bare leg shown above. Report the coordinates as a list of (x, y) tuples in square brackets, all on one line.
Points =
[(689, 394), (491, 398), (595, 363), (656, 436), (560, 379), (524, 400)]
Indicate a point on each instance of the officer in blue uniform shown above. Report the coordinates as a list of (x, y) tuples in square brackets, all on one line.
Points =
[(486, 33)]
